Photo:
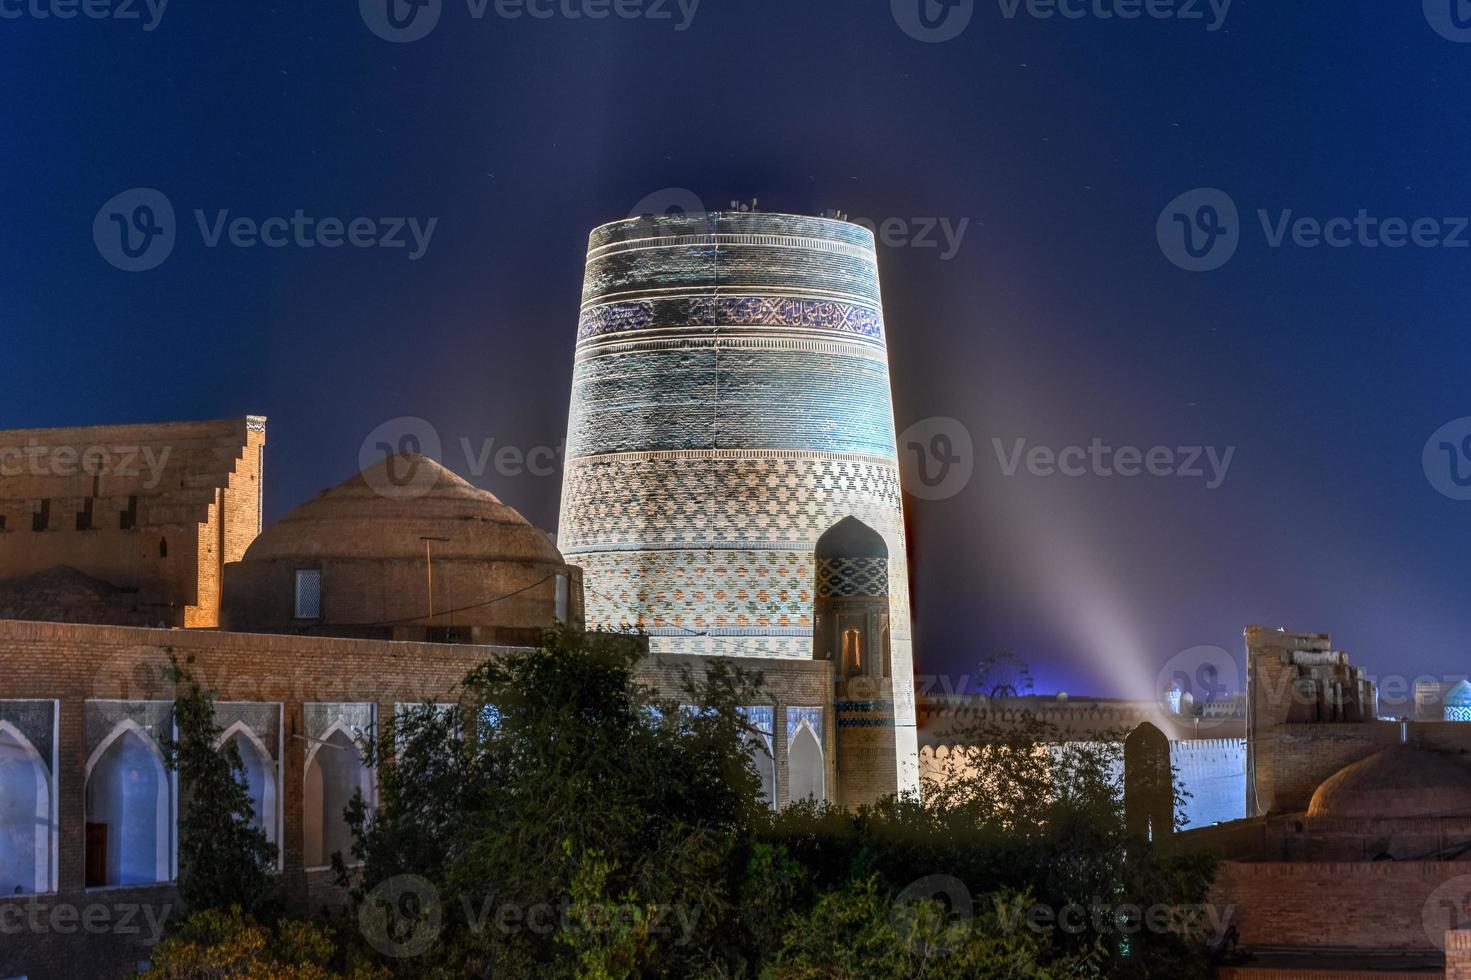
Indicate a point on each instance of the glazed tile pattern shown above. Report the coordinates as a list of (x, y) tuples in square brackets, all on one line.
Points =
[(705, 396), (731, 402), (846, 577), (666, 499), (731, 311)]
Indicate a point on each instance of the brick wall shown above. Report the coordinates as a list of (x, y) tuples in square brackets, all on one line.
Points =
[(75, 663), (184, 476), (1353, 905), (1260, 973)]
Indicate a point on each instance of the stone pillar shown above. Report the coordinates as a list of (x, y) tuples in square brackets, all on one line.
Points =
[(71, 803), (293, 783)]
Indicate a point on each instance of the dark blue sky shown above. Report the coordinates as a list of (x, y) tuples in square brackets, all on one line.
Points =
[(1059, 320)]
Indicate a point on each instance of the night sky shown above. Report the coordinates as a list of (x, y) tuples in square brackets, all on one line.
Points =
[(1059, 320)]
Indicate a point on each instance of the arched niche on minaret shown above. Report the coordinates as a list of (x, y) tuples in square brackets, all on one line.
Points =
[(851, 600)]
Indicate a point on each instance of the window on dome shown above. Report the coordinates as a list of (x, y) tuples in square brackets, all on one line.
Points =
[(308, 593)]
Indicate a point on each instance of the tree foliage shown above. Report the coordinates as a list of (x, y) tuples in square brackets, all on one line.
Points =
[(225, 859), (564, 821)]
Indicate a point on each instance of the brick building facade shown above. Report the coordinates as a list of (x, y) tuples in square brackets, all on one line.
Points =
[(89, 813)]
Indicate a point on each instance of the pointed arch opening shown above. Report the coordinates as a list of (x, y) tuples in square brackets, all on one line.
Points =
[(765, 762), (130, 811), (260, 778), (27, 817), (806, 771), (335, 770)]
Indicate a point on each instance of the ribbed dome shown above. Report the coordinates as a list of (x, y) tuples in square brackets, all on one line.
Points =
[(1403, 781), (371, 516)]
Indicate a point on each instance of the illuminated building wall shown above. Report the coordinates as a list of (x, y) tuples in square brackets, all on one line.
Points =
[(730, 404)]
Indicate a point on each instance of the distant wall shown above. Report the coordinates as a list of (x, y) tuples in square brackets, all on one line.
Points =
[(1213, 771)]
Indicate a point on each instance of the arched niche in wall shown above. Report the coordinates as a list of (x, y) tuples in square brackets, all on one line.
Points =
[(26, 816)]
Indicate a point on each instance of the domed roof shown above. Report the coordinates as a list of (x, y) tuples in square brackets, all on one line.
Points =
[(851, 538), (388, 510), (1460, 695), (1402, 781)]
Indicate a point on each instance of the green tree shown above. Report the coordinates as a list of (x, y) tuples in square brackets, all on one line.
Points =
[(566, 821), (225, 860), (864, 931), (216, 943)]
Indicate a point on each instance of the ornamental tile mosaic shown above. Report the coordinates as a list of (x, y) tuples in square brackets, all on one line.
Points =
[(839, 578), (730, 268), (810, 717), (707, 397), (731, 402), (36, 723), (735, 311), (671, 501)]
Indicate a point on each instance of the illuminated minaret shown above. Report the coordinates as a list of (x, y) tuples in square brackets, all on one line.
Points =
[(730, 406)]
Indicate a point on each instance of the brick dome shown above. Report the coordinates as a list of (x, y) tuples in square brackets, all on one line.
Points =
[(404, 550), (388, 510), (1399, 782)]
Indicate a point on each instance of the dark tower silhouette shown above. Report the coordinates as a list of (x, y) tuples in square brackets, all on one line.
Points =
[(1149, 797)]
